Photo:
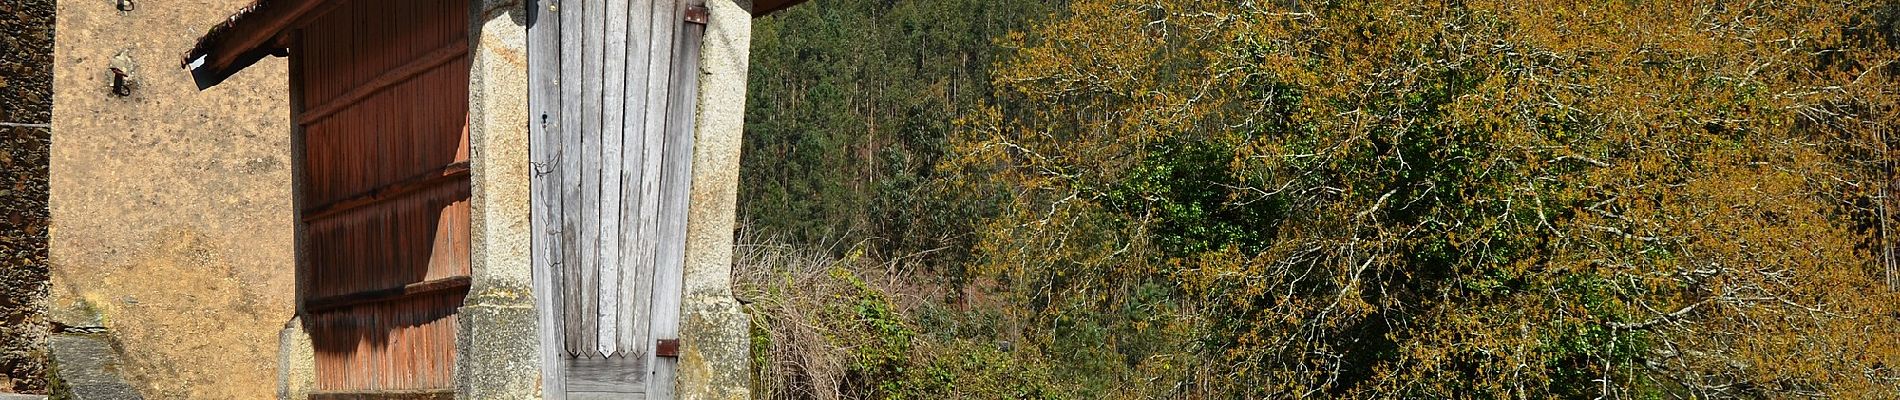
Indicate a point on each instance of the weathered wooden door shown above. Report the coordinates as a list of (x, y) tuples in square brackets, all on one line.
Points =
[(381, 93), (613, 96)]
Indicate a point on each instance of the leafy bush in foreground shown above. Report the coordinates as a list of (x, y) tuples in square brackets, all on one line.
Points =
[(1363, 199), (1464, 199)]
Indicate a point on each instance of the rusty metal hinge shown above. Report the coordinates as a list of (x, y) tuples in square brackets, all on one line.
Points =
[(698, 14), (669, 348)]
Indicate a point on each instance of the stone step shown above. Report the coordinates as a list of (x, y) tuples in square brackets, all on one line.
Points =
[(86, 368), (11, 396)]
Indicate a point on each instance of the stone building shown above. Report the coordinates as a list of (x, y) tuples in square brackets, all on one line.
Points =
[(418, 199)]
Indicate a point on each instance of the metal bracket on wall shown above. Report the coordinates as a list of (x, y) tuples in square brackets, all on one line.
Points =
[(120, 86), (124, 73)]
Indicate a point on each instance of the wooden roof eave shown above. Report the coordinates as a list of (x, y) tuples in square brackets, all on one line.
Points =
[(762, 7), (256, 31)]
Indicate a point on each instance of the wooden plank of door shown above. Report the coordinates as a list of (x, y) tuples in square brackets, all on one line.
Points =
[(614, 89), (594, 15), (544, 107), (636, 275), (664, 23), (570, 265), (605, 396), (608, 375), (675, 191)]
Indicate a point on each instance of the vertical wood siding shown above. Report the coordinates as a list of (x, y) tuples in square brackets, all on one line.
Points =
[(614, 100), (675, 191), (544, 152), (384, 89)]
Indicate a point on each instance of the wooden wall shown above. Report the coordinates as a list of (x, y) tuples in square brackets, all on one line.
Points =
[(383, 191), (614, 95)]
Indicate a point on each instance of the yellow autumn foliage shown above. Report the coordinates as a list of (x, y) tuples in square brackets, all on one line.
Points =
[(1445, 199)]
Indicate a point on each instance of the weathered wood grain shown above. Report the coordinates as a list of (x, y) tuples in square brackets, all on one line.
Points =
[(605, 396), (544, 107), (593, 64), (614, 89), (660, 67), (328, 303), (623, 131), (608, 374), (675, 191), (571, 84), (383, 188), (636, 276), (447, 174), (386, 80), (386, 395)]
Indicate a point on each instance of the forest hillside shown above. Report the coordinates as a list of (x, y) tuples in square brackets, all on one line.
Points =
[(1361, 199)]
